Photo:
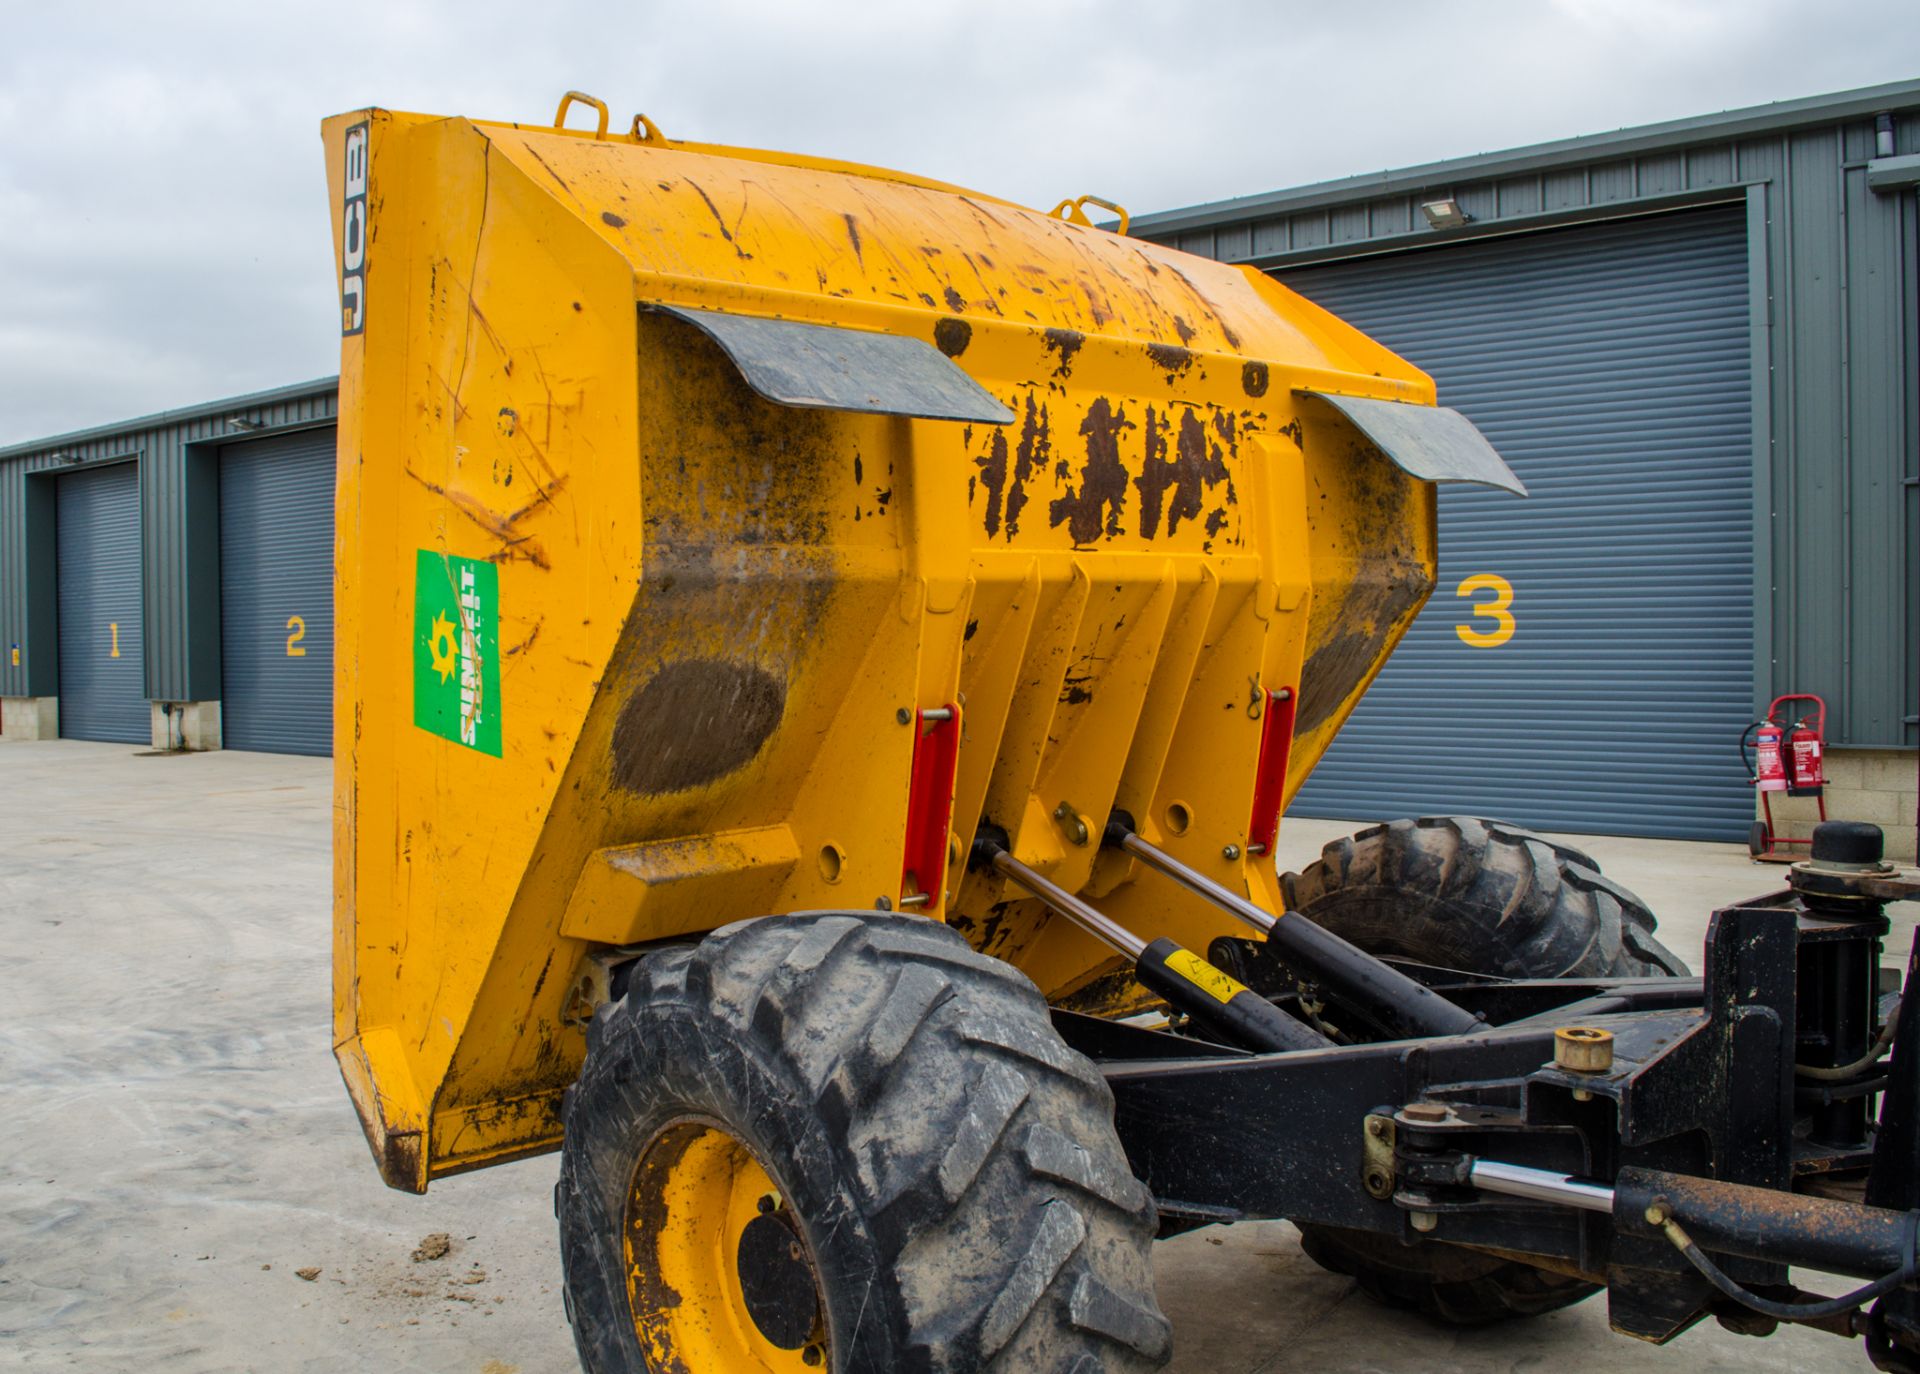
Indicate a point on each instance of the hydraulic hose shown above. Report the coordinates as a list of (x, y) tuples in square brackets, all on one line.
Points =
[(1791, 1311)]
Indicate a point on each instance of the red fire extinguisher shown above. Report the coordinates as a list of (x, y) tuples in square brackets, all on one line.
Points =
[(1769, 767), (1804, 747), (1785, 758)]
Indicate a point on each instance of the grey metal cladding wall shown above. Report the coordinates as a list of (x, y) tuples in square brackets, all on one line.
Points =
[(100, 630), (1838, 321), (276, 593), (182, 627), (1845, 503), (1610, 366)]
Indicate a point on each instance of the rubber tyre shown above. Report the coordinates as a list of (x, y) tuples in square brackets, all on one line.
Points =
[(952, 1164), (1482, 897)]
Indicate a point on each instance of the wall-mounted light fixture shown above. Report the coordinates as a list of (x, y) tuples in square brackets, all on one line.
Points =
[(1444, 214), (243, 424)]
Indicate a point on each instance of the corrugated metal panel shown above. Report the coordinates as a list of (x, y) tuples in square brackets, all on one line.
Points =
[(101, 696), (1610, 366), (276, 593)]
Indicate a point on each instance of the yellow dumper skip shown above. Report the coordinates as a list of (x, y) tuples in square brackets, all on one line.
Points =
[(726, 533)]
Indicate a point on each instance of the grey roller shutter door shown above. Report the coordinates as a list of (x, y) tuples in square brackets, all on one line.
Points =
[(276, 593), (97, 545), (1610, 365)]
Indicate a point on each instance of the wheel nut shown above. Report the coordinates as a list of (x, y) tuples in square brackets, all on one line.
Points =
[(1230, 853)]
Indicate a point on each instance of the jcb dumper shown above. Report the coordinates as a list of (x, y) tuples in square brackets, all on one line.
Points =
[(822, 658)]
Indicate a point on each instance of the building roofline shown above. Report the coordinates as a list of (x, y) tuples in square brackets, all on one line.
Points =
[(161, 419), (1778, 117)]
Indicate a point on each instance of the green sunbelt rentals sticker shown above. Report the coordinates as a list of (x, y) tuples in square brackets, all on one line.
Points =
[(456, 650)]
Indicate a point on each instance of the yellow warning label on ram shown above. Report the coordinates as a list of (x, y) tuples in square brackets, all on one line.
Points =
[(1203, 975)]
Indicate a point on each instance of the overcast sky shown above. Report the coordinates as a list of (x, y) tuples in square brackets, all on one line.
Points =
[(164, 226)]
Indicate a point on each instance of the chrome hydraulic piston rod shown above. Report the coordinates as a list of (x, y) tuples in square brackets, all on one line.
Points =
[(1375, 989), (1189, 983)]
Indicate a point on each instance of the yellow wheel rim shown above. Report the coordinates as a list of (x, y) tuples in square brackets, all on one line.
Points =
[(719, 1278)]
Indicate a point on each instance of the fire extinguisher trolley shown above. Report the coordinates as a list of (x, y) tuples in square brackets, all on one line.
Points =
[(1789, 758)]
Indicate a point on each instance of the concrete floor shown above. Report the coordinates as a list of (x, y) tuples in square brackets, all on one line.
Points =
[(177, 1145)]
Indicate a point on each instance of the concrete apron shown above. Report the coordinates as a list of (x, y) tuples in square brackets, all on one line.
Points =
[(180, 1148)]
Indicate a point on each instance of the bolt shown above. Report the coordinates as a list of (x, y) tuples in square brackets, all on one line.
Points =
[(1230, 853), (1657, 1213), (1423, 1221), (904, 716), (1072, 822), (767, 1203), (1583, 1094), (883, 904), (1424, 1111), (1376, 1128), (793, 1251)]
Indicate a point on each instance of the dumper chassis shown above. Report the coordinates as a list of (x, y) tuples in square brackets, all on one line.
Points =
[(823, 655)]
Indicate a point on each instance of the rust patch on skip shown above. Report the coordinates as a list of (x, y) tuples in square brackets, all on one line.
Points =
[(955, 301), (694, 722), (993, 476), (1063, 344), (951, 336), (853, 236), (1171, 359), (1095, 507), (1006, 470), (1194, 468), (1031, 456), (609, 218)]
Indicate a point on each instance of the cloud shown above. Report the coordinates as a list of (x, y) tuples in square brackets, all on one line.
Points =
[(162, 202)]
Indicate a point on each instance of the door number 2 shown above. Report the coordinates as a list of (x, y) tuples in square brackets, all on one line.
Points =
[(1499, 610), (297, 631)]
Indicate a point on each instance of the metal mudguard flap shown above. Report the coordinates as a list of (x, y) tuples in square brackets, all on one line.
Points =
[(1433, 443), (824, 367)]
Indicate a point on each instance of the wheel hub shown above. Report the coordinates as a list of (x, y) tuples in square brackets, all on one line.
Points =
[(776, 1279), (719, 1274)]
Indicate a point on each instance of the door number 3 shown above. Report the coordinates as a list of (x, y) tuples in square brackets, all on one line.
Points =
[(297, 631), (1499, 610)]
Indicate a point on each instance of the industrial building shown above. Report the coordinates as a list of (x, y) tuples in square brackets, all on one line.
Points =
[(1698, 344), (168, 581)]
